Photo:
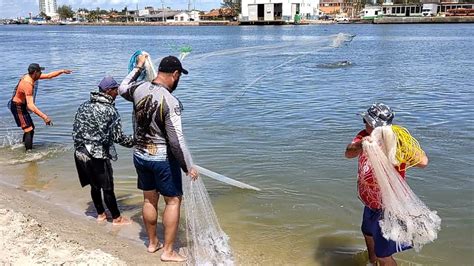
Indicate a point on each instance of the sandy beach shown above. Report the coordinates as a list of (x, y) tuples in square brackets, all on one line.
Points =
[(33, 231)]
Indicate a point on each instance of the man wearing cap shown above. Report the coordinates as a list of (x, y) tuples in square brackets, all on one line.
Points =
[(96, 127), (160, 151), (379, 248), (23, 99)]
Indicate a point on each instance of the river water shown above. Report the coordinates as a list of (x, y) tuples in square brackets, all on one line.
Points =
[(273, 107)]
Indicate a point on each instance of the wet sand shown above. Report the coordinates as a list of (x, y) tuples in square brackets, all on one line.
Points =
[(33, 231)]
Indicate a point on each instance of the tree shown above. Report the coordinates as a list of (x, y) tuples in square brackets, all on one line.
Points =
[(65, 12), (235, 5), (43, 15)]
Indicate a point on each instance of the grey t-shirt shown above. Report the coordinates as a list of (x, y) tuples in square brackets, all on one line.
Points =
[(157, 120)]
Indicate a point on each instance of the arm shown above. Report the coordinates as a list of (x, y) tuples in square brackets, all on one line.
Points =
[(354, 149), (117, 133), (175, 136), (55, 74), (30, 104), (423, 161), (130, 84)]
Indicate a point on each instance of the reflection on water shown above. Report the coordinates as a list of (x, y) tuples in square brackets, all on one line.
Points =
[(32, 180), (340, 250)]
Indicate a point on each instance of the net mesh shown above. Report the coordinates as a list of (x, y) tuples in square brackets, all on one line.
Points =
[(406, 219), (207, 244)]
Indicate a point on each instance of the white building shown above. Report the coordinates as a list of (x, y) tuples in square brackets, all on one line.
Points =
[(49, 7), (187, 16), (278, 10)]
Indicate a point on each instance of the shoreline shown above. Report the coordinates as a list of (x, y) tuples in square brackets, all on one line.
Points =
[(379, 20), (36, 231)]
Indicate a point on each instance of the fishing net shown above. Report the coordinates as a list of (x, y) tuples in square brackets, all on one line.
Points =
[(207, 244), (406, 219)]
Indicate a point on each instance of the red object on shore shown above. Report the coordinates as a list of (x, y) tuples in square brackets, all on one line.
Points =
[(460, 12)]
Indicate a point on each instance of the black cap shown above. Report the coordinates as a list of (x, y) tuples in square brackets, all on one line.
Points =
[(34, 67), (170, 64)]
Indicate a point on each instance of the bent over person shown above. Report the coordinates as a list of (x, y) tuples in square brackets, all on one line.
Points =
[(96, 127), (23, 100), (379, 248), (160, 150)]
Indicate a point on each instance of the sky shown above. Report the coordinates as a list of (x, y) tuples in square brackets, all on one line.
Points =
[(21, 8)]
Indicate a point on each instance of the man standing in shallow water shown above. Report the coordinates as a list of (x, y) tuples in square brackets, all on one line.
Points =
[(160, 150), (96, 127), (23, 100), (379, 248)]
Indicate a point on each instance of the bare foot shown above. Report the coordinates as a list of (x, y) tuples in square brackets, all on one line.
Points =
[(122, 220), (101, 217), (152, 248), (172, 257)]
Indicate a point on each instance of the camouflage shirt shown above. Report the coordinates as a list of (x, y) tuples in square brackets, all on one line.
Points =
[(97, 126)]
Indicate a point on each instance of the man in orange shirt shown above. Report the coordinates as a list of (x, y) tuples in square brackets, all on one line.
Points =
[(23, 101)]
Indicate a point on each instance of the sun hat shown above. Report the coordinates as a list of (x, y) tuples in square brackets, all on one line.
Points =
[(378, 114)]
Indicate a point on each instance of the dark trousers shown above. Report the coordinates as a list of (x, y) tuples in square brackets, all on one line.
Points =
[(110, 201)]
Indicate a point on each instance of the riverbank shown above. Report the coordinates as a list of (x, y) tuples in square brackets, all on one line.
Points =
[(35, 231)]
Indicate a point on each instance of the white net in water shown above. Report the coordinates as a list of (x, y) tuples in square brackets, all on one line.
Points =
[(406, 219), (207, 243)]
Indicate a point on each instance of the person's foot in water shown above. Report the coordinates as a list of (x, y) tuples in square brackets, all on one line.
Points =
[(121, 220), (101, 217), (154, 246), (172, 256)]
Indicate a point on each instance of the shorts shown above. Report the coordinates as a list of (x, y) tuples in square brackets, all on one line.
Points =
[(371, 227), (163, 176), (21, 115), (96, 172)]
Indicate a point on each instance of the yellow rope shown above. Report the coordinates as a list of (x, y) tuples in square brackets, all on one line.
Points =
[(408, 148)]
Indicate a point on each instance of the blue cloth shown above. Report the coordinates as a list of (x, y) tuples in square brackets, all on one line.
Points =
[(371, 227), (133, 62), (163, 176)]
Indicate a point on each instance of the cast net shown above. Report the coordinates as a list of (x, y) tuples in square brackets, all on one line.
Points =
[(406, 219)]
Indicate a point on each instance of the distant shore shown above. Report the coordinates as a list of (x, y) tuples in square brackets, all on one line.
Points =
[(379, 20)]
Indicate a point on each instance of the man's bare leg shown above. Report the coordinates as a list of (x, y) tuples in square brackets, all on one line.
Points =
[(150, 215), (387, 261), (369, 241), (170, 222)]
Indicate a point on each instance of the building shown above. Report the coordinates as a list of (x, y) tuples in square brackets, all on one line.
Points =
[(187, 16), (49, 7), (278, 10)]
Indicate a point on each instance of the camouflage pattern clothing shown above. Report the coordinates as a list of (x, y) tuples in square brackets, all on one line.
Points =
[(97, 126)]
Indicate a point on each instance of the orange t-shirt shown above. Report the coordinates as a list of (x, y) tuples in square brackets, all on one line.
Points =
[(24, 90)]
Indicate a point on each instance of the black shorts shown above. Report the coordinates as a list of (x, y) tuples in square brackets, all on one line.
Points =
[(163, 176), (95, 172), (21, 115)]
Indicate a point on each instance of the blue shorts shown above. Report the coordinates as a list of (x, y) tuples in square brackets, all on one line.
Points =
[(371, 227), (163, 176)]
